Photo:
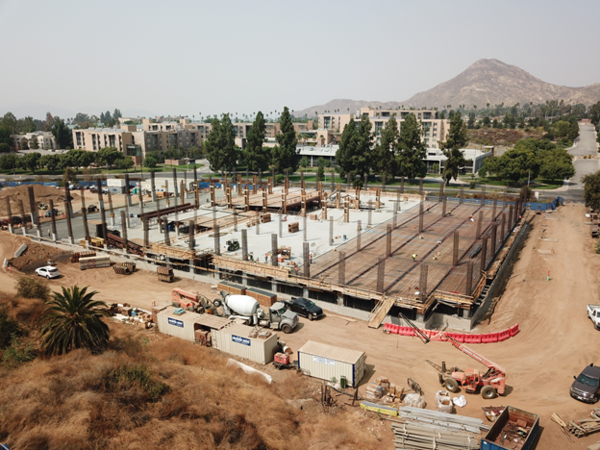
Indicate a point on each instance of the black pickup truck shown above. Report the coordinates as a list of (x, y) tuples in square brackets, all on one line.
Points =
[(586, 386)]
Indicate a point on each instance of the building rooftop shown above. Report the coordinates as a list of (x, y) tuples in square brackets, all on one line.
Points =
[(331, 352)]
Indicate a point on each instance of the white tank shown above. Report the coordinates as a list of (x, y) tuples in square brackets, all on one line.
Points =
[(243, 305)]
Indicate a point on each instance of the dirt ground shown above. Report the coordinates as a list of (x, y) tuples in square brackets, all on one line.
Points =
[(556, 340), (43, 194)]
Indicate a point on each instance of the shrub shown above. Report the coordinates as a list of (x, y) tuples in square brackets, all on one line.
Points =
[(31, 288), (472, 184), (279, 179), (128, 377), (9, 328), (18, 353)]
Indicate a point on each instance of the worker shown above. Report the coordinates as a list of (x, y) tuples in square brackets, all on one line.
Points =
[(414, 257), (310, 258), (48, 232)]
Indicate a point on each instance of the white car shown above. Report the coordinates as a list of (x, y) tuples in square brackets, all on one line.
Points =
[(48, 272)]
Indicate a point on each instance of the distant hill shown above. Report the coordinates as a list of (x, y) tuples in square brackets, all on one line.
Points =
[(486, 81)]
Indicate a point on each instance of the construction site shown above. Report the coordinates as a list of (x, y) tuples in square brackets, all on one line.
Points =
[(420, 255)]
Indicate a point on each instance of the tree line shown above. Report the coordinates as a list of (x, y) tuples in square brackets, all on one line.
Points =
[(76, 159), (396, 151)]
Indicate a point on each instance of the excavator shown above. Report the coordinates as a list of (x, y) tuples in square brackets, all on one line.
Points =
[(492, 382)]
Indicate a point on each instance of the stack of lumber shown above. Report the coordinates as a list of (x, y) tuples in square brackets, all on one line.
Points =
[(165, 274), (75, 256), (124, 268), (293, 227), (586, 426)]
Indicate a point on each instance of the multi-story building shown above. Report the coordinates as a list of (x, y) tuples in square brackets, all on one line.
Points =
[(45, 140), (434, 128)]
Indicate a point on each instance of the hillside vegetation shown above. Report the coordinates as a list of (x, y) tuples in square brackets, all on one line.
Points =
[(148, 391)]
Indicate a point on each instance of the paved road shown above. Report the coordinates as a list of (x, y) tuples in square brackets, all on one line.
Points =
[(585, 145)]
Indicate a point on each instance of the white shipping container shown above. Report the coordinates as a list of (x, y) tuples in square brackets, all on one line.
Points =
[(115, 182), (327, 362), (235, 340)]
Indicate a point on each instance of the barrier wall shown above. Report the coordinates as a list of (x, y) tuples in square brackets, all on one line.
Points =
[(467, 338)]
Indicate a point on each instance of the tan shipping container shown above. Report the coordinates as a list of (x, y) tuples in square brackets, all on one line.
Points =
[(235, 339)]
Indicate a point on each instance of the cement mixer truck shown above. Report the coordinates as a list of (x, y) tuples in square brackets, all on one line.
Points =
[(278, 316)]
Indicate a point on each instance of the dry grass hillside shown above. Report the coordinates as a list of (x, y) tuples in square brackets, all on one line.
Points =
[(503, 137), (149, 391)]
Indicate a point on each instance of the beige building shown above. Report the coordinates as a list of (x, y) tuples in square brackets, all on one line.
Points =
[(45, 140), (434, 128)]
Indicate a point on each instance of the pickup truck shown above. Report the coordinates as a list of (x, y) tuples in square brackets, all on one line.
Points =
[(593, 312)]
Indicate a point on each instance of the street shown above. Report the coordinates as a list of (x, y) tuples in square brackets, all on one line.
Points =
[(584, 146)]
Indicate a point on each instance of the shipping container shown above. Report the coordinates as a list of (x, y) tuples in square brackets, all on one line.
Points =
[(328, 362), (514, 429), (94, 262), (185, 325), (236, 339)]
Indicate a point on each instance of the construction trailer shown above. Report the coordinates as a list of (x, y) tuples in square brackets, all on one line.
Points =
[(187, 324), (246, 342), (328, 362)]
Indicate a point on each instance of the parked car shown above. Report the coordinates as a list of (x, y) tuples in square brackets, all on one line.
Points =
[(48, 272), (304, 307), (72, 187), (586, 386), (593, 312)]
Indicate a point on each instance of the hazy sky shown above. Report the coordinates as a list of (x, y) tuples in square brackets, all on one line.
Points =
[(195, 57)]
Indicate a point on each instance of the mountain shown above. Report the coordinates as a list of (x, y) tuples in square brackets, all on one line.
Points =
[(486, 81)]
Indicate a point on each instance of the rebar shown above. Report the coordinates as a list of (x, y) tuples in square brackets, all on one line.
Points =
[(306, 258), (455, 249), (342, 268), (423, 282), (53, 220), (192, 234), (124, 231), (380, 274), (358, 234), (217, 237), (245, 244)]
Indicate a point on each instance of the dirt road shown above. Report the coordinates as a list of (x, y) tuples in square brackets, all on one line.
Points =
[(556, 340)]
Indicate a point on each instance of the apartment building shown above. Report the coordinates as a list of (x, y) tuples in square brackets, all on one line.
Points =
[(45, 140), (434, 128)]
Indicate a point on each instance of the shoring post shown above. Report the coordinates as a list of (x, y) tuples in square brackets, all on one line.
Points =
[(342, 268), (124, 231), (380, 273), (306, 258), (244, 244)]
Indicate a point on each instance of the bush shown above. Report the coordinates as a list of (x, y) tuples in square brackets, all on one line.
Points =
[(279, 179), (9, 328), (472, 184), (31, 288), (18, 353), (128, 377)]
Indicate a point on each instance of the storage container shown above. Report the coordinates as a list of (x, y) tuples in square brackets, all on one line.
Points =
[(328, 362), (235, 339), (505, 435)]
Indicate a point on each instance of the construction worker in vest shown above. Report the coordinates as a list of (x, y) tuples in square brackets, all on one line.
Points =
[(414, 257)]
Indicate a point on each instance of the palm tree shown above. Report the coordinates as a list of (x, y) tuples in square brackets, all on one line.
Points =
[(73, 320)]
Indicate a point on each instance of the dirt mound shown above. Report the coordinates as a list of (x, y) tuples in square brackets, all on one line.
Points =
[(37, 255), (43, 194)]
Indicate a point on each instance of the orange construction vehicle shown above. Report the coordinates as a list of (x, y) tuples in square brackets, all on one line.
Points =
[(492, 382)]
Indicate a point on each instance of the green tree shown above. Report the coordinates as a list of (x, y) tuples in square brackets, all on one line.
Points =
[(108, 156), (411, 157), (27, 125), (70, 176), (50, 162), (220, 145), (320, 169), (151, 160), (5, 148), (9, 161), (125, 162), (62, 134), (5, 136), (77, 159), (520, 163), (383, 160), (285, 155), (354, 154), (457, 139), (591, 190), (486, 121), (556, 164), (73, 320), (9, 121), (255, 157), (33, 143), (304, 162), (30, 161), (24, 143)]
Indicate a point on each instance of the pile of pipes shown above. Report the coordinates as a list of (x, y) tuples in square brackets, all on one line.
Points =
[(586, 426), (424, 429), (75, 256)]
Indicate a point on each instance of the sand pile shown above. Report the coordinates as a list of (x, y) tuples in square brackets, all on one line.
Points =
[(43, 194), (37, 255)]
